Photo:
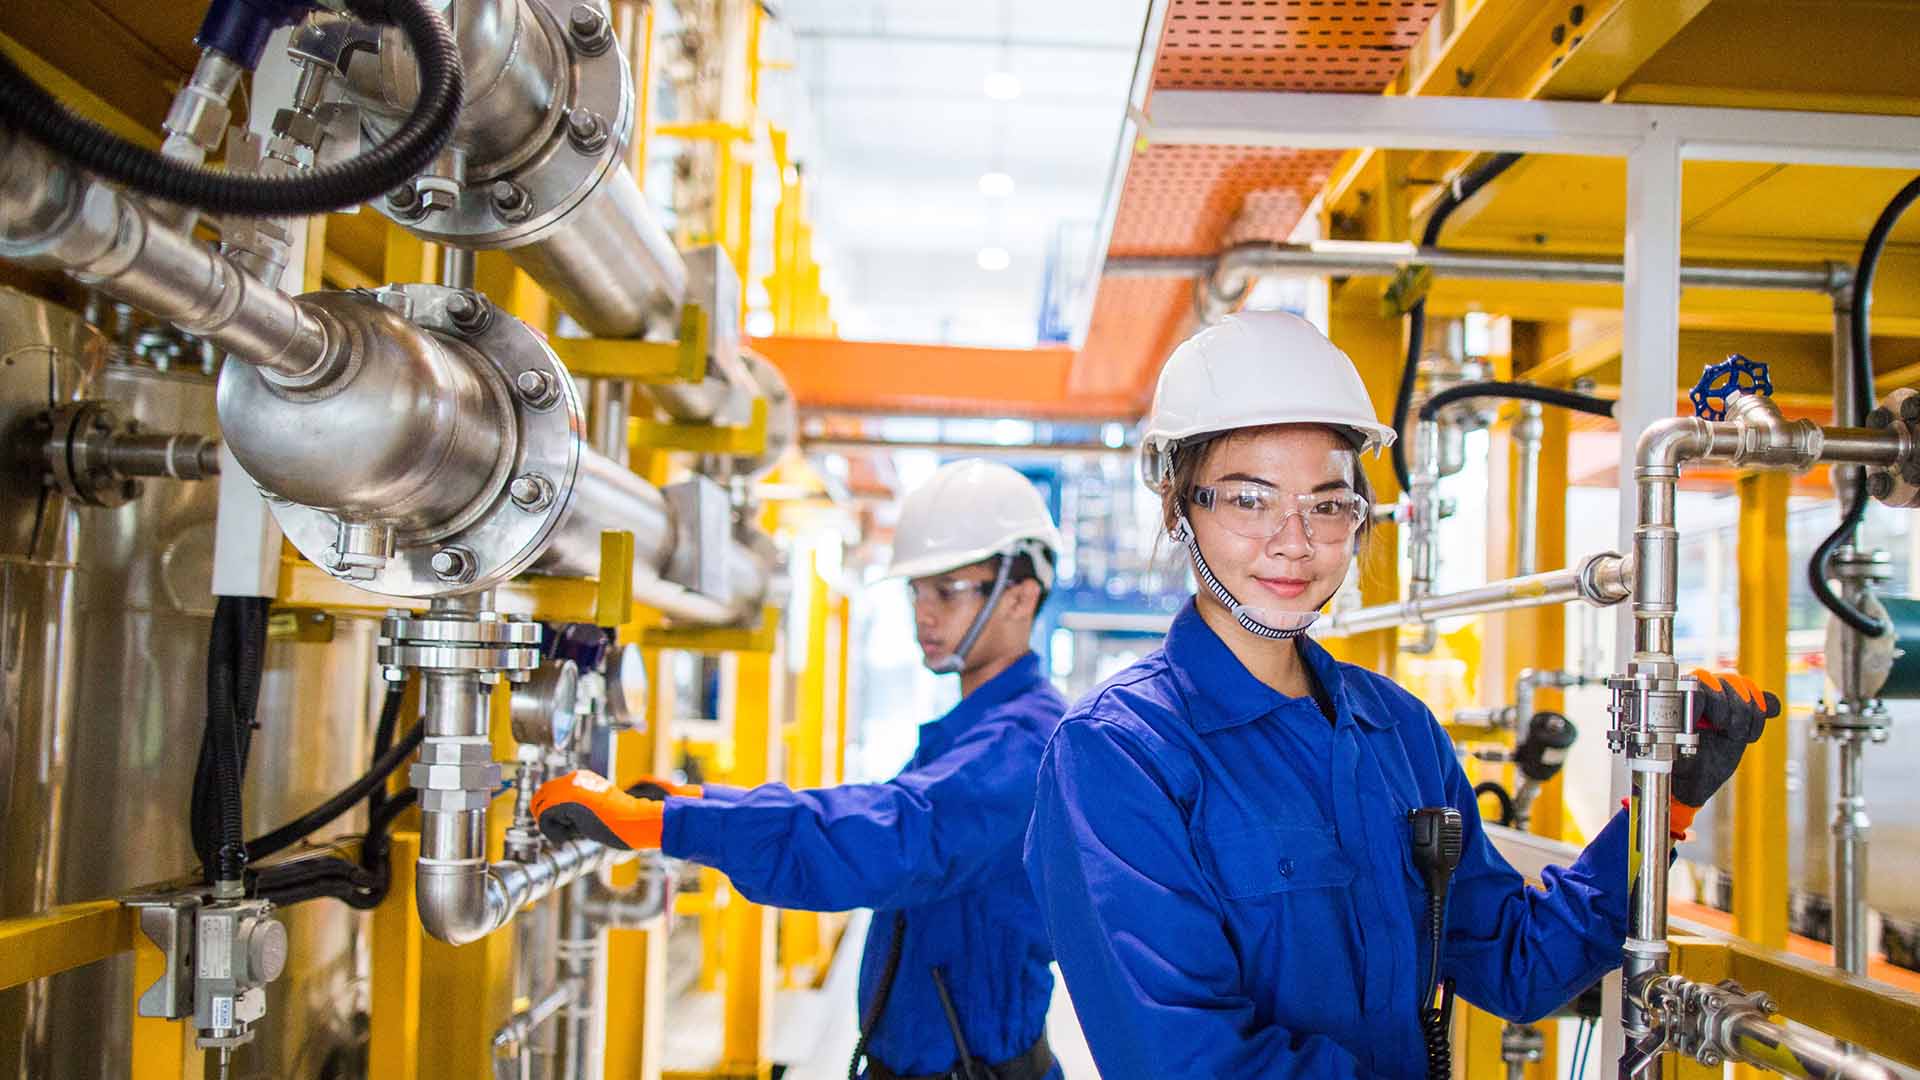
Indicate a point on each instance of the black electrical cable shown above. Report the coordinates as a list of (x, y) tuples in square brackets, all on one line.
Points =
[(1508, 812), (411, 148), (235, 656), (361, 887), (1546, 395), (1417, 314), (1859, 324), (878, 1006), (323, 815)]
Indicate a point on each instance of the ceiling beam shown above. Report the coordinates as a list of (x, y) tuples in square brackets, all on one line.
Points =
[(935, 380)]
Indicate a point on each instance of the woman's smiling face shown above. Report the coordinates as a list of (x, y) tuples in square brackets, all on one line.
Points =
[(1291, 570)]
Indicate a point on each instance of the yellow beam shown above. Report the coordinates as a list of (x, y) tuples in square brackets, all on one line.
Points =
[(78, 98), (655, 362), (1882, 1019), (338, 272), (1760, 785), (636, 967), (718, 639), (553, 599), (48, 942), (742, 440), (806, 768), (394, 1026)]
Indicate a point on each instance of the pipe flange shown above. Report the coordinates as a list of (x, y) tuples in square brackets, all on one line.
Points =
[(430, 630), (499, 537), (1898, 485), (459, 657), (562, 171)]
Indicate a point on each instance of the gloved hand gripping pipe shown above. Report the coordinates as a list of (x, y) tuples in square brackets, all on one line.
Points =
[(412, 148)]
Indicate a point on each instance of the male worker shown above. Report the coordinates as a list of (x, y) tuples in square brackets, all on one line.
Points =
[(955, 979)]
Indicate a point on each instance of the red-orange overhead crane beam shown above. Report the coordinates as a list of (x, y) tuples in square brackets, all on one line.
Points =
[(887, 377)]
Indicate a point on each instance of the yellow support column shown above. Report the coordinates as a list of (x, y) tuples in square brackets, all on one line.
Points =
[(162, 1049), (1375, 344), (806, 750), (394, 1038), (749, 927), (843, 663), (1760, 786), (637, 959), (410, 259)]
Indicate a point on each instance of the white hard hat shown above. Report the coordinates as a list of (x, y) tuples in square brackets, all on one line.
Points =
[(970, 511), (1252, 369)]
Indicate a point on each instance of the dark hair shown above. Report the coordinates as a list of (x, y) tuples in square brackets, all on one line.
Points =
[(1024, 570), (1189, 456)]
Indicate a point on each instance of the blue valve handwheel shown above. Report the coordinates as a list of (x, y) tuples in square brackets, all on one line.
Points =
[(1718, 381)]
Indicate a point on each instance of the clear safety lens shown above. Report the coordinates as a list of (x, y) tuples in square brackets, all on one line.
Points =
[(1259, 512), (944, 594)]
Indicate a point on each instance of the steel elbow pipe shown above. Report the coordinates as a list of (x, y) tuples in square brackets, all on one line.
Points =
[(460, 903)]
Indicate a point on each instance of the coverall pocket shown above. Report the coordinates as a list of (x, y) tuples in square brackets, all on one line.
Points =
[(1252, 863)]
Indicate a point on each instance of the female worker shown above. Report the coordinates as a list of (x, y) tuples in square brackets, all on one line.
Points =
[(1221, 840), (955, 978)]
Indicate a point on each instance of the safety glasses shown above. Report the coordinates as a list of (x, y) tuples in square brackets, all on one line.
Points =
[(1259, 512)]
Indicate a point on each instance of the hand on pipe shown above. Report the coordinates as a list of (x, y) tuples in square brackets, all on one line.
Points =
[(586, 806), (1730, 713)]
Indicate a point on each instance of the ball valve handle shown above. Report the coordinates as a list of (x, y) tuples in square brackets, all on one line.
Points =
[(1718, 381)]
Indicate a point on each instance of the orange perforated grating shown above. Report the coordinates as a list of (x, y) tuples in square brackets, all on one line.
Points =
[(1333, 45), (1193, 200), (1182, 200)]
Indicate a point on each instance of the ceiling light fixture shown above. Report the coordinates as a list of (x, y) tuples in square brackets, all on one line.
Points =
[(996, 184), (1002, 85), (994, 258)]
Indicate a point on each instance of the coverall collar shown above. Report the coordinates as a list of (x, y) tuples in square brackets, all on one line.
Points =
[(1222, 693), (1019, 677)]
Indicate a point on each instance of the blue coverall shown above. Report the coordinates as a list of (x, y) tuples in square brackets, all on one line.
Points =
[(1230, 889), (939, 842)]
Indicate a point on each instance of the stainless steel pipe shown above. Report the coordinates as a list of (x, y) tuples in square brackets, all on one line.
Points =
[(1758, 1041), (54, 216), (608, 496), (1651, 700), (1231, 268), (1601, 580)]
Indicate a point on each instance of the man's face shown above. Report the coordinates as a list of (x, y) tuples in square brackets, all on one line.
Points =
[(945, 605)]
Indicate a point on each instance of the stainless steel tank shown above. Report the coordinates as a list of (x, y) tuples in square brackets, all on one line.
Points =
[(104, 622)]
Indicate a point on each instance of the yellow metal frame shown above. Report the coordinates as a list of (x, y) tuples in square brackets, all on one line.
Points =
[(393, 1051), (1881, 1019), (651, 362), (739, 440), (49, 942), (763, 638)]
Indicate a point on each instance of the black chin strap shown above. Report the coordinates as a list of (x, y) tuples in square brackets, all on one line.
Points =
[(1183, 534), (951, 664)]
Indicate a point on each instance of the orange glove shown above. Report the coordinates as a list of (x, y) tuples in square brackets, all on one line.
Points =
[(586, 806), (1731, 713), (654, 787)]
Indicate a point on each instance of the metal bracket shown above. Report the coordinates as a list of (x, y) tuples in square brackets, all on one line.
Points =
[(701, 516), (647, 362), (168, 922)]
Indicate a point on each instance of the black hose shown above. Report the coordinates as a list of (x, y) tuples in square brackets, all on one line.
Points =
[(236, 655), (361, 887), (1466, 189), (1508, 812), (411, 148), (323, 815), (1546, 395), (1859, 323)]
